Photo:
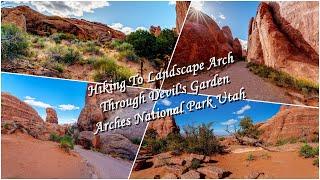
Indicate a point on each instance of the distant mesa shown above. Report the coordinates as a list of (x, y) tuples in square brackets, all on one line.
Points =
[(284, 40), (202, 38), (36, 23)]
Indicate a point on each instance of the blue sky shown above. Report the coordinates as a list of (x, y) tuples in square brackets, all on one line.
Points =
[(229, 113), (66, 97), (122, 15), (234, 14)]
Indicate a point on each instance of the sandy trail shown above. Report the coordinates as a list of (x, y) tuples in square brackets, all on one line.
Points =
[(256, 88), (107, 167), (25, 157)]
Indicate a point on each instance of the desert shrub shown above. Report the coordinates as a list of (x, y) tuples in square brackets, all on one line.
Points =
[(14, 42), (124, 46), (201, 140), (157, 146), (316, 162), (175, 142), (58, 37), (71, 56), (308, 152), (135, 141), (89, 60), (54, 137), (247, 128), (92, 47), (66, 143), (250, 157), (165, 42), (283, 79), (57, 52), (195, 164), (123, 74), (115, 43), (59, 67), (129, 55)]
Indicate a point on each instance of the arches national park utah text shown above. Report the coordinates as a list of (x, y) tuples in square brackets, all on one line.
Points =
[(158, 95)]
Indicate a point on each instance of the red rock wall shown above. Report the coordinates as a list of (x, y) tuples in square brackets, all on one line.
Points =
[(164, 126), (291, 122), (181, 12), (282, 39)]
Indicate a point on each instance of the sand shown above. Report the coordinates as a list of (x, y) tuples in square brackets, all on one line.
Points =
[(25, 157)]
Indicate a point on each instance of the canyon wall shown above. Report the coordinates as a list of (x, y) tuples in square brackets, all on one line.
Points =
[(181, 12), (36, 23), (164, 126), (284, 36), (291, 123)]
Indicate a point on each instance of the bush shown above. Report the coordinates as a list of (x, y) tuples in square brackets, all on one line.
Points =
[(247, 128), (144, 43), (92, 47), (89, 60), (54, 137), (157, 146), (66, 143), (136, 141), (58, 37), (195, 164), (308, 152), (63, 54), (59, 67), (14, 42), (116, 43), (316, 162), (71, 56), (124, 46), (250, 157), (129, 55), (165, 42)]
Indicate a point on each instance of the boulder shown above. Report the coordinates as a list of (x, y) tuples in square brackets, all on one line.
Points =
[(51, 116), (85, 139), (282, 39), (36, 23), (192, 174), (118, 145), (291, 122), (212, 172)]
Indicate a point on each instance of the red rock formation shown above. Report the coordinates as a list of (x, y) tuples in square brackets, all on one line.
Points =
[(181, 12), (155, 30), (14, 111), (291, 122), (202, 39), (51, 116), (164, 126), (39, 24), (284, 35)]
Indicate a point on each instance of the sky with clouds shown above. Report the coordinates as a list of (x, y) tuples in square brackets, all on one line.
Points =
[(125, 16), (66, 97), (235, 14), (227, 114)]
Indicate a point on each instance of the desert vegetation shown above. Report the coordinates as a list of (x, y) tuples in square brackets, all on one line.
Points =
[(66, 142), (64, 55), (283, 79)]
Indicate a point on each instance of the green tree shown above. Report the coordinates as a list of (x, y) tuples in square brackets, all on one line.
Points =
[(143, 42), (165, 42), (247, 128)]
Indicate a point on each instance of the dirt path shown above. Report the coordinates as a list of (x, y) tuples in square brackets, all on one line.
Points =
[(256, 87), (25, 157), (107, 167)]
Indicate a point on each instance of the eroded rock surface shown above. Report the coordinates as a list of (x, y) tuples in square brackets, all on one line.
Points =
[(51, 116)]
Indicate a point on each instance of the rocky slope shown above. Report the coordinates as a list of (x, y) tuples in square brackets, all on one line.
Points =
[(36, 23), (181, 11), (202, 38), (16, 114), (291, 122), (164, 126), (284, 35)]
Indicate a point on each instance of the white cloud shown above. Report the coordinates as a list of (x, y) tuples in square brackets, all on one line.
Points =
[(125, 29), (229, 122), (221, 16), (67, 107), (33, 102), (241, 117), (244, 44), (172, 2), (198, 5), (243, 109), (166, 102), (67, 8)]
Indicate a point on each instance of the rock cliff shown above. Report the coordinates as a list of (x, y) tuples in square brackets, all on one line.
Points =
[(51, 116), (164, 126), (181, 12), (291, 122), (202, 38), (36, 23), (16, 113), (285, 36)]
